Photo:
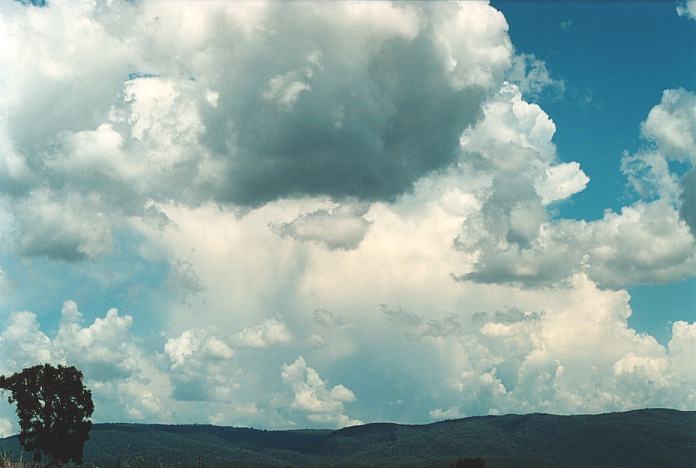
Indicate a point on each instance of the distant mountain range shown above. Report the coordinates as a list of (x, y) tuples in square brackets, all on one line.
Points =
[(658, 438)]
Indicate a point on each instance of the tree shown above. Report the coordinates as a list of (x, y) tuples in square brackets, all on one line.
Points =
[(54, 409)]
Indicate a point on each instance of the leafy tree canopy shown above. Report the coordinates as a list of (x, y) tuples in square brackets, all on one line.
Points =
[(54, 408)]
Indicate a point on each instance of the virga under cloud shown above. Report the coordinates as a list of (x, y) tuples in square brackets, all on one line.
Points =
[(355, 206)]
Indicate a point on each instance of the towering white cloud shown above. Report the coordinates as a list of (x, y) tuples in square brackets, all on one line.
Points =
[(311, 192), (307, 94)]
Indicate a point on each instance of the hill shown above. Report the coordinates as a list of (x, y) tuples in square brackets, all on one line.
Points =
[(657, 438)]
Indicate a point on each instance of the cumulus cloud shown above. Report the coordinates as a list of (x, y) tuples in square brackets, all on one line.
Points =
[(311, 395), (487, 346), (131, 379), (540, 362), (196, 128), (313, 194), (59, 229), (649, 174), (671, 127), (532, 77), (560, 182), (672, 124), (5, 428), (453, 412), (514, 239), (103, 349), (198, 367), (688, 9), (183, 280), (644, 243), (269, 333), (326, 318), (114, 364), (196, 344), (546, 276), (341, 227), (385, 122), (401, 315), (23, 342)]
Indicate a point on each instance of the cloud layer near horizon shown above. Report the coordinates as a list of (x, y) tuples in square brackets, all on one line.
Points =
[(355, 204)]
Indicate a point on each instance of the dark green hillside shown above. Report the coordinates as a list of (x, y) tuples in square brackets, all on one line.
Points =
[(635, 439)]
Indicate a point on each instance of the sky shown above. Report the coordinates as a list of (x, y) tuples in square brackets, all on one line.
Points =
[(288, 215)]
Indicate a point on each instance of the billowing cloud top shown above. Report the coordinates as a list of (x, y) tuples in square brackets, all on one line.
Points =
[(354, 204)]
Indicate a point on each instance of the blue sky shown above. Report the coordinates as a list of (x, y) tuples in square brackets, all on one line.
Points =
[(318, 214)]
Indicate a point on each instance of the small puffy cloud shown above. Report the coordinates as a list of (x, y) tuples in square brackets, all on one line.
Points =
[(688, 9), (232, 415), (532, 77), (6, 429), (199, 369), (23, 343), (341, 227), (104, 349), (672, 125), (285, 89), (61, 229), (649, 174), (325, 318), (269, 333), (312, 396), (183, 281), (448, 326), (401, 315), (453, 412), (196, 345)]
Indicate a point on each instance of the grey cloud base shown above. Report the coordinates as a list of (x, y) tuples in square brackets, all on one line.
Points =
[(367, 130)]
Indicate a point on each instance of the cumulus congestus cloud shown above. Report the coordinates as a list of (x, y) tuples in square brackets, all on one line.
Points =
[(261, 102), (339, 210)]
